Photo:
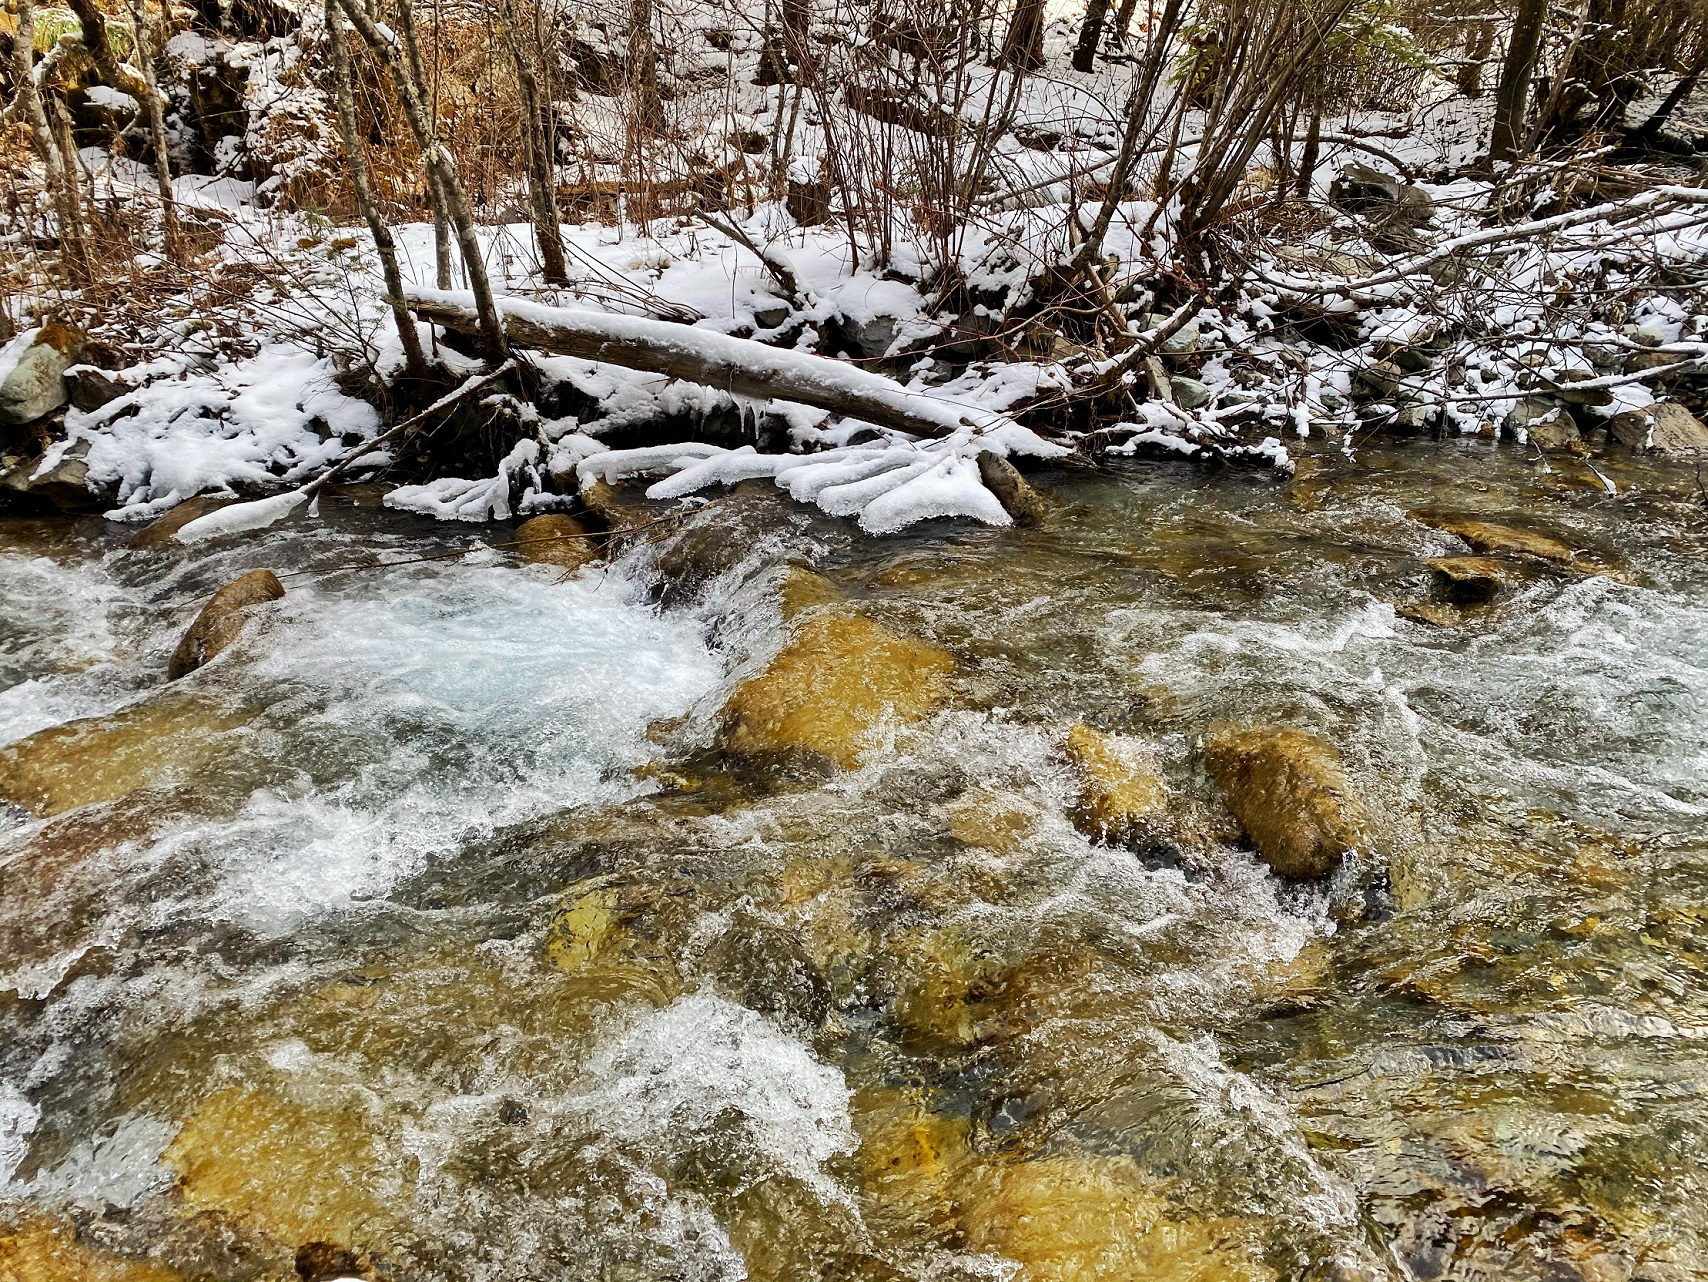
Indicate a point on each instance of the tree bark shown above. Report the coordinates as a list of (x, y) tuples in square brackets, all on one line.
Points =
[(407, 78), (643, 68), (738, 366), (415, 360), (154, 102), (1470, 78), (61, 180), (1090, 32), (1514, 88), (1023, 47), (542, 189)]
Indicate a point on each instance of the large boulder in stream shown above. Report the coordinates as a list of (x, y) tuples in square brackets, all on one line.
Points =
[(835, 683), (222, 620), (1288, 791), (556, 539)]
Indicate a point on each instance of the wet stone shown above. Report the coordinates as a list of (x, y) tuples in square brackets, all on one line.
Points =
[(1495, 537), (837, 680), (555, 539), (1287, 789), (221, 620), (1472, 580), (1122, 798)]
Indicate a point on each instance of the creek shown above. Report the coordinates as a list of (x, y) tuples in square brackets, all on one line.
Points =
[(433, 932)]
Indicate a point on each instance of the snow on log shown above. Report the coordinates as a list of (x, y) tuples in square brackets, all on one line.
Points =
[(738, 366)]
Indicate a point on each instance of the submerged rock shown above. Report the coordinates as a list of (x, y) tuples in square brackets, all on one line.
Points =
[(163, 741), (1472, 580), (555, 539), (1495, 536), (1121, 798), (297, 1173), (802, 589), (1072, 1217), (1288, 791), (836, 680), (1016, 494), (37, 1248), (221, 620)]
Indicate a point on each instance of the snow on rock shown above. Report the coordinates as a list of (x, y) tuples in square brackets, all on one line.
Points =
[(274, 417), (887, 485), (454, 499)]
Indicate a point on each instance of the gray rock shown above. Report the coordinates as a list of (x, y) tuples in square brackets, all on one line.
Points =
[(773, 314), (1564, 379), (871, 338), (1386, 201), (35, 385), (1546, 423), (65, 485), (1379, 377), (1189, 393), (1183, 342), (1665, 427)]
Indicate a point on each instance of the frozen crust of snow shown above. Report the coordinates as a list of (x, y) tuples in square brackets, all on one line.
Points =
[(887, 486)]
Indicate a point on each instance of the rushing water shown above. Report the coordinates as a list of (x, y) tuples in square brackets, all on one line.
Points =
[(431, 923)]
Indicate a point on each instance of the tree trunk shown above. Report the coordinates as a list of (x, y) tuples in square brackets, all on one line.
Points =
[(415, 361), (1470, 78), (1313, 151), (1090, 32), (542, 189), (643, 68), (739, 366), (1023, 47), (1124, 20), (1514, 88), (409, 81), (1682, 90), (61, 180), (154, 103)]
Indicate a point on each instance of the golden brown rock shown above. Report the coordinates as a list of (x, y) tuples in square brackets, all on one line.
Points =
[(1288, 791), (34, 1248), (1496, 537), (158, 533), (836, 681), (992, 821), (222, 619), (1121, 798), (1472, 580), (164, 741), (803, 589), (602, 500), (1090, 1218), (556, 539), (300, 1174)]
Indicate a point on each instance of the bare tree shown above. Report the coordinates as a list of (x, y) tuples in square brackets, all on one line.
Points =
[(537, 155), (415, 361), (409, 81), (1513, 91), (154, 107), (58, 161)]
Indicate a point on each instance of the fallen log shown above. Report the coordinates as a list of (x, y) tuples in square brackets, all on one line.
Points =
[(738, 366)]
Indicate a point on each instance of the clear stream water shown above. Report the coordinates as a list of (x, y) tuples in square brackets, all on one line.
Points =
[(430, 924)]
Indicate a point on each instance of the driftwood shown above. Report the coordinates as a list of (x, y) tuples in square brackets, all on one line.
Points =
[(738, 366)]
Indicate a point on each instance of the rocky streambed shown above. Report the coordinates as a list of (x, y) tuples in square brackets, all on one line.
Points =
[(1219, 879)]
